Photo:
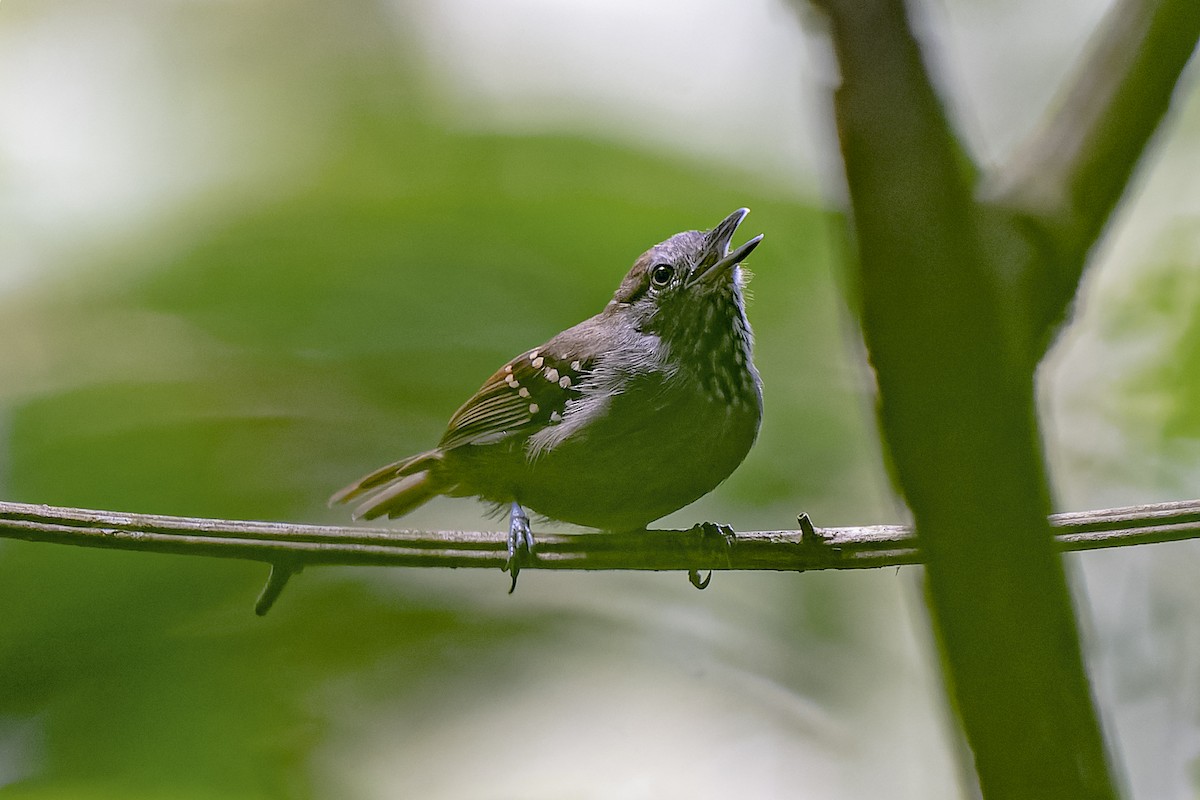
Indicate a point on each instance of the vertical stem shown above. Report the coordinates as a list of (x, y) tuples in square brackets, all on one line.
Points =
[(958, 416)]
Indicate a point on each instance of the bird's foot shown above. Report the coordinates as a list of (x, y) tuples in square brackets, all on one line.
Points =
[(712, 535), (520, 543)]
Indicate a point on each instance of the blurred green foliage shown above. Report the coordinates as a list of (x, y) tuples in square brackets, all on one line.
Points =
[(247, 362), (353, 316), (320, 306)]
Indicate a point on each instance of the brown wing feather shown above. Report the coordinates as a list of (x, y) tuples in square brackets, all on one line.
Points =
[(524, 395)]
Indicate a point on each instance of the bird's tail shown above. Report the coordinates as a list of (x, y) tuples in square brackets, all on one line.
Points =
[(396, 489)]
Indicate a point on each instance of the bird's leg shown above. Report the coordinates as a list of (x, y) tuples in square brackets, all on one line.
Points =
[(709, 533), (520, 542)]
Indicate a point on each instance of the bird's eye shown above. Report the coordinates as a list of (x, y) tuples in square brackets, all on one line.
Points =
[(661, 274)]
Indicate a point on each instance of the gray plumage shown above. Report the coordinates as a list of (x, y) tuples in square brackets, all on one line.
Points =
[(615, 422)]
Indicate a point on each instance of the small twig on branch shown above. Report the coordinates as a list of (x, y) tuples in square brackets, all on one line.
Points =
[(289, 548), (277, 579)]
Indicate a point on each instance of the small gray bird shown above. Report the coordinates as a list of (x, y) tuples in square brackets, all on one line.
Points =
[(613, 423)]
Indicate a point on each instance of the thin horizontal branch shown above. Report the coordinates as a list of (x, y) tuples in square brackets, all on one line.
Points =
[(296, 546)]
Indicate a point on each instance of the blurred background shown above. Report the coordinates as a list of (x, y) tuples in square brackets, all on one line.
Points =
[(250, 251)]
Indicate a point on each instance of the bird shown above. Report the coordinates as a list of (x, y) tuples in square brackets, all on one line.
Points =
[(613, 423)]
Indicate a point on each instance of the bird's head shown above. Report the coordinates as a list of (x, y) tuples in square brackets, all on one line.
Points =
[(689, 281)]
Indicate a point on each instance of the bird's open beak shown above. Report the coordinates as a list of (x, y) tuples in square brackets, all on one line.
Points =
[(717, 249)]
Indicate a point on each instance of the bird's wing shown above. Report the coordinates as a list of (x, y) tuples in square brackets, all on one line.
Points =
[(526, 394)]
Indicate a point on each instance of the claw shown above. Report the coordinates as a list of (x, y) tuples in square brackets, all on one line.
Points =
[(520, 543), (709, 531)]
